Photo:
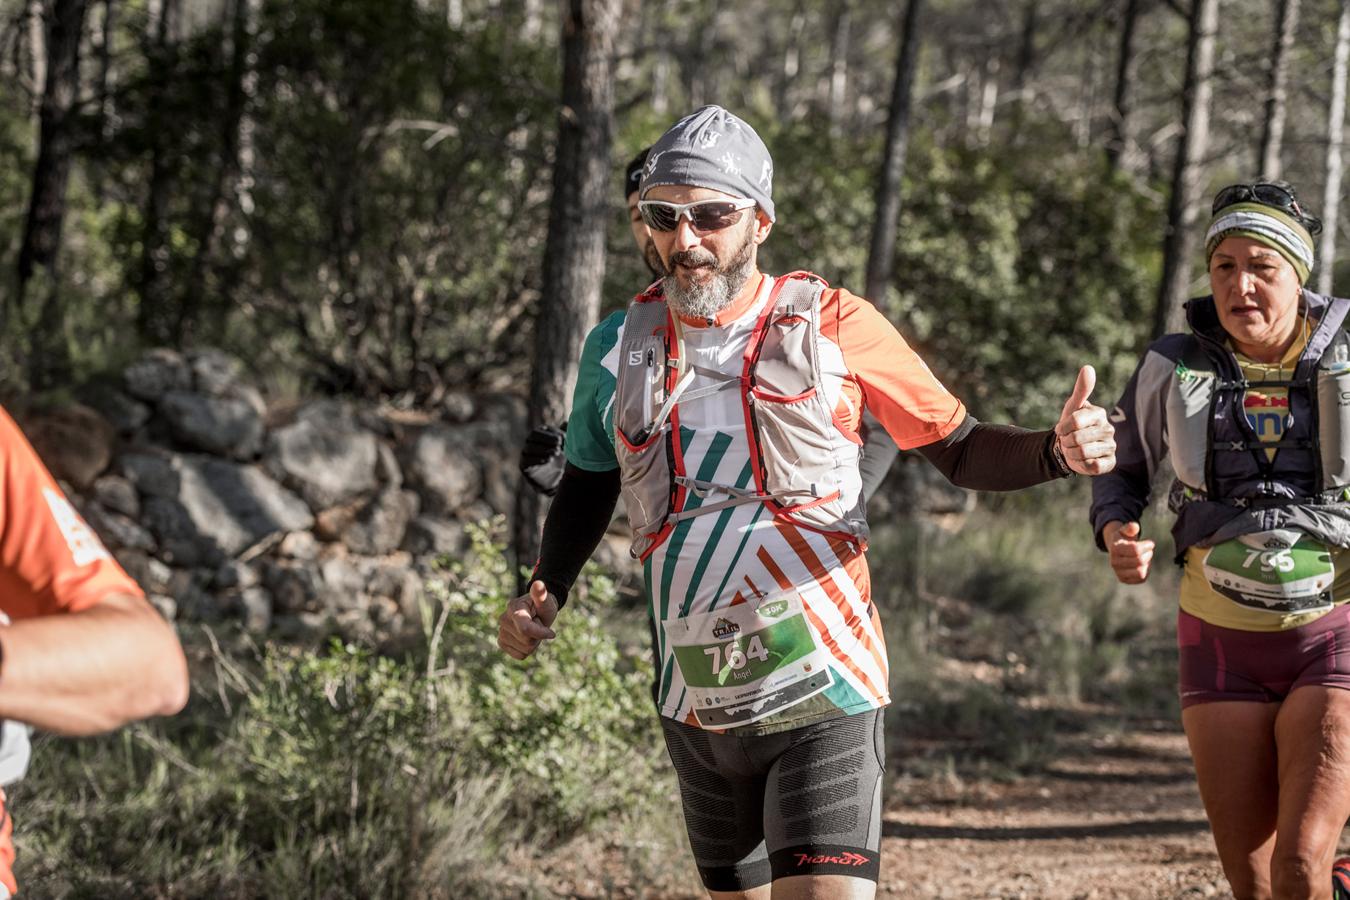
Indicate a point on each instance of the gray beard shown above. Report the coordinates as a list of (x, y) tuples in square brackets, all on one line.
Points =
[(704, 300)]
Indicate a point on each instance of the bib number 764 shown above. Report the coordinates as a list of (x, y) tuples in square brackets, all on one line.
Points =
[(735, 655)]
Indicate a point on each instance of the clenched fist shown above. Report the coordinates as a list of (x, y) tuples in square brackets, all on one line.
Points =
[(1130, 557), (526, 620)]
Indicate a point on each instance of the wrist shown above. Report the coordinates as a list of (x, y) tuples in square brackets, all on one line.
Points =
[(1057, 455)]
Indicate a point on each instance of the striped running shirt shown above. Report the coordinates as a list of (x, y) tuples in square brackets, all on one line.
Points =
[(713, 561)]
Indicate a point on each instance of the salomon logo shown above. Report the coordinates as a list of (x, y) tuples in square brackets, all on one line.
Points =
[(635, 357)]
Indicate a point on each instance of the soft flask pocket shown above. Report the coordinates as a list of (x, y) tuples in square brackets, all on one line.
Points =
[(645, 479), (797, 455), (1333, 422)]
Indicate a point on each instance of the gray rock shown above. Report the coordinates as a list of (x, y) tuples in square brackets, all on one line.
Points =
[(74, 441), (235, 506), (379, 527), (125, 414), (429, 536), (235, 574), (152, 474), (214, 372), (328, 460), (152, 575), (306, 629), (196, 605), (295, 587), (299, 545), (255, 610), (475, 513), (117, 494), (156, 374), (117, 530), (501, 480), (387, 466), (399, 583), (177, 536), (342, 580), (507, 411), (167, 606), (357, 626), (442, 464), (226, 426)]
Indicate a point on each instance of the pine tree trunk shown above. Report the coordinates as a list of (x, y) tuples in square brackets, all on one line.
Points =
[(48, 354), (156, 317), (1182, 237), (242, 28), (574, 253), (1118, 146), (881, 254), (1026, 58), (837, 88), (1272, 131), (1326, 251)]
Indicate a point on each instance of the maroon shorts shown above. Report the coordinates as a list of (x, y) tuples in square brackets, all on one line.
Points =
[(1263, 666)]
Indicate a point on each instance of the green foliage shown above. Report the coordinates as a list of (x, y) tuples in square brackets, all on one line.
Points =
[(1014, 270), (1025, 624), (349, 774), (1014, 266)]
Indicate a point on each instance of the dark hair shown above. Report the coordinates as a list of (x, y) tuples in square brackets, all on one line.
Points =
[(632, 176)]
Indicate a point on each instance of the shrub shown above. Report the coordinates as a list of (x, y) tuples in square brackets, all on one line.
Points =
[(348, 774)]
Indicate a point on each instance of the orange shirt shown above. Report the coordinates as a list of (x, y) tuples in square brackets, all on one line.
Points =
[(51, 562)]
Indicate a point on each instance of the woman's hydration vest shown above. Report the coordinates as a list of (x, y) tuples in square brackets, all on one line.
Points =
[(1227, 484), (798, 454)]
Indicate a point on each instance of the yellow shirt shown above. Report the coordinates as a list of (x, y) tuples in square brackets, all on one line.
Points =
[(1267, 410)]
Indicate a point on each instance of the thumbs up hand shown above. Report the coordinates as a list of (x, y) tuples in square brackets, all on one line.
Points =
[(526, 620), (1130, 557), (1086, 439)]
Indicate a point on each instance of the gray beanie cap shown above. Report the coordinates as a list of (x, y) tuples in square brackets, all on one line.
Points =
[(714, 149)]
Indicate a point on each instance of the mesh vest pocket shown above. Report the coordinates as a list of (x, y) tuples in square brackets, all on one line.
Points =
[(797, 452), (645, 480)]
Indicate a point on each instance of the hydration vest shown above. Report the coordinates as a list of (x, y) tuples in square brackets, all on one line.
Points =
[(798, 454), (1226, 485)]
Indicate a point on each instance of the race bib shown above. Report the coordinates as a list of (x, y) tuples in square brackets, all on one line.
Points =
[(1283, 571), (745, 662)]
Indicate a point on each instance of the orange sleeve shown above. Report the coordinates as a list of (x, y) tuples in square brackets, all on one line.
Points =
[(896, 385), (50, 559)]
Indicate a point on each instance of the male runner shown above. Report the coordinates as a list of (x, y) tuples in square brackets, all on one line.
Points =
[(725, 404), (542, 457), (81, 650)]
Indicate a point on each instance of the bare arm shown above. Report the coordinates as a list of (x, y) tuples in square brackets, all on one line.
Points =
[(93, 670)]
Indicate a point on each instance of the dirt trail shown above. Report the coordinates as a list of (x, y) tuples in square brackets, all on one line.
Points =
[(1114, 817)]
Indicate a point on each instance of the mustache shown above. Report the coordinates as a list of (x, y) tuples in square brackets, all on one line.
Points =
[(692, 258)]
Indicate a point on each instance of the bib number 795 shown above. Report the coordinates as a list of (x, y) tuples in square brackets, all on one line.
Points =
[(735, 655), (1270, 560)]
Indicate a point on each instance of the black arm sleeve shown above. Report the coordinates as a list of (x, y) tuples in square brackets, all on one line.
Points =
[(576, 522), (983, 457)]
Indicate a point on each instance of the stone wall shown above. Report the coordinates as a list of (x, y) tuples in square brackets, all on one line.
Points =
[(322, 518)]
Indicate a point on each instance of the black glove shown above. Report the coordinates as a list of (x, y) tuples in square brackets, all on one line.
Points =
[(542, 460)]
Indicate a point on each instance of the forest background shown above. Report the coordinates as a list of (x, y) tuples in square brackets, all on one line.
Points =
[(392, 200)]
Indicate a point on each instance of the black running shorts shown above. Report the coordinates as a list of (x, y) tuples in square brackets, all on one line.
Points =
[(800, 802)]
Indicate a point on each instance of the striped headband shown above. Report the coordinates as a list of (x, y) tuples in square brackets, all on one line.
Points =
[(1274, 228)]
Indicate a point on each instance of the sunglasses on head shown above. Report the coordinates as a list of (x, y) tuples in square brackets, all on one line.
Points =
[(1267, 194), (703, 215)]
